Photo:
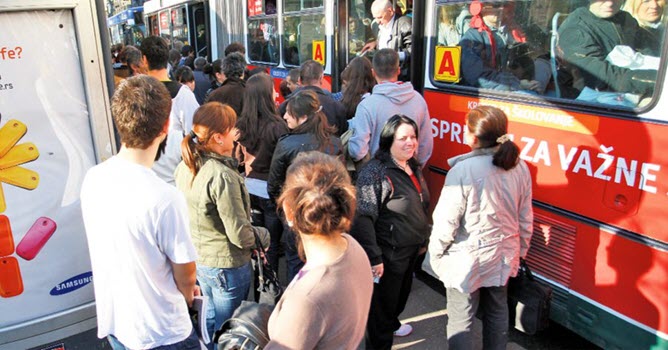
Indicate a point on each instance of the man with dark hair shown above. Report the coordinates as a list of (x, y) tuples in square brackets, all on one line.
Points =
[(393, 31), (233, 89), (235, 47), (202, 82), (389, 97), (293, 79), (156, 54), (311, 76), (137, 229)]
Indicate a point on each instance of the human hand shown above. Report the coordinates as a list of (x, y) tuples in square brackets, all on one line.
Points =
[(532, 85), (378, 270), (369, 46)]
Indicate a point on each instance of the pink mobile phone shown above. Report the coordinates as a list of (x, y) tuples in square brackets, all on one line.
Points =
[(6, 238), (11, 283), (36, 238)]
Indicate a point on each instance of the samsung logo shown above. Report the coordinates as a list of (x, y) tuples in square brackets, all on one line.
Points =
[(72, 284)]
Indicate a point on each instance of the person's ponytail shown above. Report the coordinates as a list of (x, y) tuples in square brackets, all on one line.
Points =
[(189, 153), (507, 156), (490, 126)]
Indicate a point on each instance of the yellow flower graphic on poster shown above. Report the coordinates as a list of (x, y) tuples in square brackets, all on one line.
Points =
[(12, 155)]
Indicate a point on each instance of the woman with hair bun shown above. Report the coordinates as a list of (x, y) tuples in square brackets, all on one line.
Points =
[(309, 131), (482, 227), (327, 303), (219, 208)]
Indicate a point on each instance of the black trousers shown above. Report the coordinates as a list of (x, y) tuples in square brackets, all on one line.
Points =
[(390, 296)]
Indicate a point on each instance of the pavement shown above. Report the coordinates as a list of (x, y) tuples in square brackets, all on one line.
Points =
[(426, 311)]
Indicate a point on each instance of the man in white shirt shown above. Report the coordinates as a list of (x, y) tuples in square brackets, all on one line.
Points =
[(155, 53), (141, 252)]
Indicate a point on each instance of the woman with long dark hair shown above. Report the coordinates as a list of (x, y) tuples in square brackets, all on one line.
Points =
[(219, 209), (357, 81), (309, 132), (260, 127), (392, 226), (482, 227)]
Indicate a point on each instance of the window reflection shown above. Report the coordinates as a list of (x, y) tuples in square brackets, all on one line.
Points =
[(299, 34)]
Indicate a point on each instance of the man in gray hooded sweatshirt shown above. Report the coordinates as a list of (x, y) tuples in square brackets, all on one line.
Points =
[(389, 97)]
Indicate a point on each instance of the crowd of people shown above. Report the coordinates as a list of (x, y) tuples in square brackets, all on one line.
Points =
[(211, 167)]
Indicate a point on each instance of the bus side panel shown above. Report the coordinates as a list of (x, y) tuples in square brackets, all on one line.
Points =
[(582, 258), (615, 285), (569, 154)]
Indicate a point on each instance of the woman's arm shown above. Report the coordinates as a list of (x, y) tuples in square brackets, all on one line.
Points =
[(299, 324), (525, 214), (370, 197), (447, 215), (277, 170), (232, 212)]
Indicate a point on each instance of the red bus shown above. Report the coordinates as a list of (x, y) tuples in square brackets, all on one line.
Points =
[(599, 174)]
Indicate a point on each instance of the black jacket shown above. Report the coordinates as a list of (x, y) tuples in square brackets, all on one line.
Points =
[(269, 132), (334, 110), (287, 148), (230, 93), (390, 211), (586, 40), (401, 41)]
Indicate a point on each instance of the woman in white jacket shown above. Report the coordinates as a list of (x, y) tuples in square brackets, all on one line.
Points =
[(482, 226)]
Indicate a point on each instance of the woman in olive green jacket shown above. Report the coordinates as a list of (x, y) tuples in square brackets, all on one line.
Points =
[(219, 208)]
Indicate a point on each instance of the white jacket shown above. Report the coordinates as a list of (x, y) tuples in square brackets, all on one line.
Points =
[(482, 223)]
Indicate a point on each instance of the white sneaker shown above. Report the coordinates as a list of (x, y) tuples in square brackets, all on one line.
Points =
[(404, 330)]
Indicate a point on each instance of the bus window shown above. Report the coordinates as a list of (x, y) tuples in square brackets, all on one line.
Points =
[(263, 40), (165, 25), (542, 49), (300, 33), (180, 25), (359, 27), (299, 5)]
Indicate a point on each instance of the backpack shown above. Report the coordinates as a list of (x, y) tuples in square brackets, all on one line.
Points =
[(246, 329)]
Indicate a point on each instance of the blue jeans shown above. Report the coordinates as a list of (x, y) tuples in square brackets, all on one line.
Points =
[(292, 258), (190, 343), (226, 289)]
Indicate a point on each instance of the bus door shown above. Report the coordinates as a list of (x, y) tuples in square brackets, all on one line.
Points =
[(595, 145), (198, 17)]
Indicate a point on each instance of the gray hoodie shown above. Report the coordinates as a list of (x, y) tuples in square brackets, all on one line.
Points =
[(386, 100)]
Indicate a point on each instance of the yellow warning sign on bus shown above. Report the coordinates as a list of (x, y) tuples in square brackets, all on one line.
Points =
[(447, 67), (319, 51)]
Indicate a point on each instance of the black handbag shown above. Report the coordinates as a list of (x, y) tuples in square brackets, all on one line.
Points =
[(246, 329), (528, 301), (269, 289)]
